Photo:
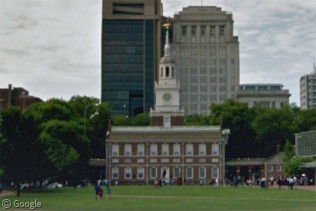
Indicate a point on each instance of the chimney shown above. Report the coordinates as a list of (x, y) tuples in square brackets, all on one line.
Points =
[(278, 147)]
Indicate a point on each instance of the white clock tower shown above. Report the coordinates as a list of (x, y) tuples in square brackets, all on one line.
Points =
[(167, 111)]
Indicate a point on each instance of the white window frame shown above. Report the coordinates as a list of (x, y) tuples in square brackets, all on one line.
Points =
[(215, 172), (128, 150), (176, 149), (204, 171), (175, 170), (187, 173), (153, 150), (140, 149), (166, 120), (270, 168), (151, 171), (215, 149), (165, 149), (115, 170), (279, 168), (115, 150), (140, 170), (202, 149), (127, 170), (189, 149)]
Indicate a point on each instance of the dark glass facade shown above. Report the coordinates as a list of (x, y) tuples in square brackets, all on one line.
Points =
[(128, 65)]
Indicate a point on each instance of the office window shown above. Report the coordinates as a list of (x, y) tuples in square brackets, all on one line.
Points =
[(176, 172), (115, 150), (212, 30), (189, 172), (127, 149), (189, 149), (202, 172), (214, 172), (153, 172), (221, 30), (115, 173), (203, 30), (165, 149), (140, 149), (128, 173), (184, 30), (215, 149), (153, 149), (140, 173), (202, 149), (176, 149), (193, 30)]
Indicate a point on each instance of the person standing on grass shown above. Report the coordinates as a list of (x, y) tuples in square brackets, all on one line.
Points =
[(108, 192), (96, 188), (100, 192)]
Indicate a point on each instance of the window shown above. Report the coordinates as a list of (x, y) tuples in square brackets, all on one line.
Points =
[(128, 173), (153, 172), (202, 149), (278, 168), (189, 149), (212, 30), (165, 149), (215, 149), (202, 173), (140, 149), (189, 172), (221, 30), (166, 121), (153, 149), (115, 173), (270, 168), (167, 72), (203, 30), (115, 150), (176, 172), (214, 172), (184, 30), (140, 173), (176, 149), (127, 150), (193, 31)]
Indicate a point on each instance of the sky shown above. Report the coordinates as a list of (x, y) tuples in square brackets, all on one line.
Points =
[(52, 48)]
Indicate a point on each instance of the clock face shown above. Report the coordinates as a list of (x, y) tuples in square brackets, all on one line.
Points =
[(167, 97)]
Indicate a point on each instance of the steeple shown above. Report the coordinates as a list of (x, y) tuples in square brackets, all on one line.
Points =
[(167, 45)]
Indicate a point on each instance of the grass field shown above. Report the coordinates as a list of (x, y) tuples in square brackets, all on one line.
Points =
[(136, 198)]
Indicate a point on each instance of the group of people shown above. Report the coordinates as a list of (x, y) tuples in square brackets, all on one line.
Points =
[(99, 191)]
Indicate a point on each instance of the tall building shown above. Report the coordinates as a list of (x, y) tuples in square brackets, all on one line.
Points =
[(131, 33), (265, 95), (308, 90), (207, 55)]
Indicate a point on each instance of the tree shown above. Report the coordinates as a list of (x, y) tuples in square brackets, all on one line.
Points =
[(294, 166), (141, 120), (289, 151), (237, 117)]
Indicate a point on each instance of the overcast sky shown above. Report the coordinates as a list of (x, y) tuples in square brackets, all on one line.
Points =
[(52, 48)]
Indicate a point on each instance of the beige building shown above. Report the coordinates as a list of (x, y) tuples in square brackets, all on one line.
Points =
[(207, 55), (308, 90), (265, 95)]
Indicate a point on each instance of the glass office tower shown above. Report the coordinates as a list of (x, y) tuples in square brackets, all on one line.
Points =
[(130, 48)]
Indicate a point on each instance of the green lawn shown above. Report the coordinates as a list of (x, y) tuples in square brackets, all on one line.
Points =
[(174, 198)]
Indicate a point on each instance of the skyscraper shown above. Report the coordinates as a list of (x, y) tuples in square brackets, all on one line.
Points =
[(207, 57), (308, 90), (130, 54)]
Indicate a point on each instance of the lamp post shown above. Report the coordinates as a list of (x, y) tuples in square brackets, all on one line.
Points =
[(107, 158), (225, 133)]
